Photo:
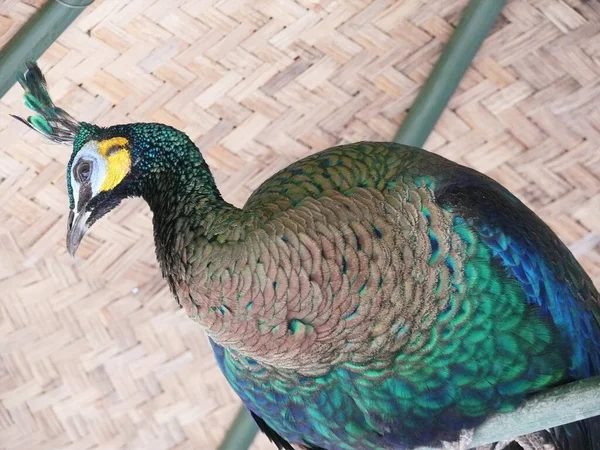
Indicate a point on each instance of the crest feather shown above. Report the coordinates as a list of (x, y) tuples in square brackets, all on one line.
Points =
[(52, 122)]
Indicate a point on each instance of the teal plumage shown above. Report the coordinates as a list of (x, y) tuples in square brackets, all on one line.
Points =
[(521, 326), (370, 296)]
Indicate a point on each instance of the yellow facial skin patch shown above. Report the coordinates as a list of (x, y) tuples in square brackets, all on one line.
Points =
[(118, 161)]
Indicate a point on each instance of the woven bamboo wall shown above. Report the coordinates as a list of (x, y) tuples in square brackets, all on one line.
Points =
[(94, 352)]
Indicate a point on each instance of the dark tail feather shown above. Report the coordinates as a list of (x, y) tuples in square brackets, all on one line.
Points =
[(273, 436), (582, 435), (52, 122)]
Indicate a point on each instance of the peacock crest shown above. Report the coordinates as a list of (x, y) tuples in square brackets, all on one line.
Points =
[(49, 120)]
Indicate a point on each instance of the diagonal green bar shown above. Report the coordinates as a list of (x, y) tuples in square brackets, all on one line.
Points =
[(241, 433), (477, 20), (35, 36)]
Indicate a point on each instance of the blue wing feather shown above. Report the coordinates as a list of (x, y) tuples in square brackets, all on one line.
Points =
[(530, 251)]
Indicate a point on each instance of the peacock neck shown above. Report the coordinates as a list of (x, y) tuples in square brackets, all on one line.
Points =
[(200, 239), (175, 178), (181, 192)]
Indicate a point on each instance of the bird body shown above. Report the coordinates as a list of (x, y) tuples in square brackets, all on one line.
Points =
[(372, 295)]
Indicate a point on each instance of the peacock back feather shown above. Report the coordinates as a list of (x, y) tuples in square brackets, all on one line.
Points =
[(496, 314)]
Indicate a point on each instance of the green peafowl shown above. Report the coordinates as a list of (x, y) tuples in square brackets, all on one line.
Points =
[(370, 296)]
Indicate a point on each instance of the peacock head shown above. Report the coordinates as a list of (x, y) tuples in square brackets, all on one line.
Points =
[(100, 174), (107, 164)]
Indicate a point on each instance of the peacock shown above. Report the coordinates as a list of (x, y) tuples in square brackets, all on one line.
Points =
[(369, 296)]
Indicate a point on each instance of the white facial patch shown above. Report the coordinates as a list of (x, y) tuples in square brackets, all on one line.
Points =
[(89, 153)]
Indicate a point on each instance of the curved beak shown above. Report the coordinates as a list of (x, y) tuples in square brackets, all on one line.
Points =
[(76, 229)]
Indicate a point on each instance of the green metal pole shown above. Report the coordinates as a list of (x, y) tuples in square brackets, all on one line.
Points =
[(477, 20), (38, 33), (241, 433)]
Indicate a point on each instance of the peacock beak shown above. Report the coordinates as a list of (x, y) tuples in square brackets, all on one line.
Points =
[(76, 228)]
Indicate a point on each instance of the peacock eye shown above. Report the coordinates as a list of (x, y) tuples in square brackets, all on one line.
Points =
[(83, 171)]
